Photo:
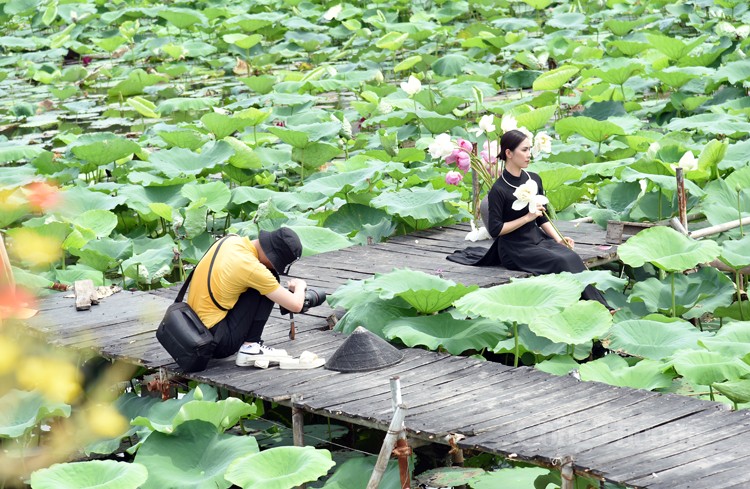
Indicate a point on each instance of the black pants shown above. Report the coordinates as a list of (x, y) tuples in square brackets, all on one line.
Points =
[(244, 322)]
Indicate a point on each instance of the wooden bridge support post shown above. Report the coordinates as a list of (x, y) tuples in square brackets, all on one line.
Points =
[(567, 476), (298, 426), (402, 450), (681, 198), (388, 444)]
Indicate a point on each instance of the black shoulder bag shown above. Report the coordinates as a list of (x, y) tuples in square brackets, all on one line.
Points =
[(183, 334)]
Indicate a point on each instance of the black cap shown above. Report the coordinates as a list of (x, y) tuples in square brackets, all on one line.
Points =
[(282, 247)]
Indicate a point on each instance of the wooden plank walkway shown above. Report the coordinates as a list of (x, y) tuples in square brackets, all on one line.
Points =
[(627, 436)]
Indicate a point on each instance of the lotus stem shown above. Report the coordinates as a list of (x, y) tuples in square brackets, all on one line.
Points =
[(674, 304), (711, 392), (564, 241), (515, 339), (738, 280), (739, 213)]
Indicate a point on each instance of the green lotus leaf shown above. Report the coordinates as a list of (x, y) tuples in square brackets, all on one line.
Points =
[(317, 240), (99, 221), (104, 254), (667, 249), (702, 367), (243, 40), (454, 335), (182, 18), (591, 129), (568, 21), (428, 301), (696, 294), (178, 162), (417, 203), (78, 200), (216, 194), (740, 179), (722, 204), (672, 47), (21, 411), (144, 107), (253, 116), (244, 157), (622, 27), (355, 292), (539, 345), (253, 22), (109, 44), (737, 391), (279, 468), (315, 153), (195, 455), (135, 83), (615, 370), (374, 315), (392, 41), (618, 71), (186, 104), (90, 474), (184, 138), (674, 77), (711, 124), (536, 119), (522, 300), (515, 477), (11, 152), (74, 273), (408, 63), (402, 280), (151, 260), (436, 123), (262, 84), (603, 279), (578, 323), (222, 414), (733, 339), (450, 65), (734, 71), (734, 311), (711, 156), (653, 339), (555, 79), (102, 148), (222, 125), (160, 416), (284, 201), (356, 472), (538, 5), (562, 197), (140, 198), (736, 253), (350, 218), (558, 365)]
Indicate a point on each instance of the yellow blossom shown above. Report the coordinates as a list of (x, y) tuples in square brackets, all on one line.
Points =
[(57, 379), (34, 248), (9, 354), (105, 421)]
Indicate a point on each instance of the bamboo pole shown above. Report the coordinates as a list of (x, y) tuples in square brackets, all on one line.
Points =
[(719, 228), (681, 198), (567, 474), (677, 226), (387, 448), (298, 423), (402, 450)]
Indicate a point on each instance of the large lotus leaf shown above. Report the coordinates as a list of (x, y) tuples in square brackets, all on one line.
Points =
[(184, 138), (576, 324), (734, 311), (591, 129), (515, 477), (355, 292), (160, 416), (179, 162), (740, 179), (558, 365), (403, 280), (429, 301), (194, 456), (675, 77), (77, 200), (449, 65), (695, 294), (149, 266), (737, 391), (76, 272), (706, 367), (711, 155), (91, 474), (734, 71), (223, 125), (355, 474), (733, 339), (535, 120), (136, 82), (417, 203), (615, 370), (674, 48), (436, 123), (721, 204), (20, 411), (253, 22), (98, 221), (667, 249), (182, 17), (522, 300), (320, 240), (223, 414), (244, 157), (453, 335), (280, 468), (104, 254), (736, 253), (102, 148), (350, 218), (139, 198), (664, 182), (130, 406), (186, 104), (603, 279), (216, 194), (711, 124), (315, 153), (284, 201), (331, 183), (374, 315), (555, 79), (531, 342), (11, 152), (562, 197), (653, 339), (617, 71)]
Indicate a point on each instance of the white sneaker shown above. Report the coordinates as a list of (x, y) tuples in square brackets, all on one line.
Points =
[(248, 354)]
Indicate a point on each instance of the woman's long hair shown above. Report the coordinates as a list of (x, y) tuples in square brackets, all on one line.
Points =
[(510, 140)]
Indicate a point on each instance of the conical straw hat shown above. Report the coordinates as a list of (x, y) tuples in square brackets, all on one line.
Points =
[(363, 351)]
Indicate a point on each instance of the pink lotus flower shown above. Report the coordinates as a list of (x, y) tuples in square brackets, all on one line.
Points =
[(453, 177), (463, 162), (489, 153), (465, 145)]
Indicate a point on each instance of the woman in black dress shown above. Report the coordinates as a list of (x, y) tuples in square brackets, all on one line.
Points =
[(527, 240)]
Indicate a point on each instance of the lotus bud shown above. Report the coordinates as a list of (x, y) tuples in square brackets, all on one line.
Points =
[(738, 188), (379, 78)]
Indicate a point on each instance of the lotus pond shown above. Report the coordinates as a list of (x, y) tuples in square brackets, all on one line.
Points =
[(133, 133)]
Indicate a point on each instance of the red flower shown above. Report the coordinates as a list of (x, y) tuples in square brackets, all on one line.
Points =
[(42, 196)]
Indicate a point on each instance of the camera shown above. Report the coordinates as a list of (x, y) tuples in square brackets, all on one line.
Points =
[(313, 298)]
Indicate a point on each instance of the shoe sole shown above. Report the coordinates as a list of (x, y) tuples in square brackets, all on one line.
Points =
[(242, 360)]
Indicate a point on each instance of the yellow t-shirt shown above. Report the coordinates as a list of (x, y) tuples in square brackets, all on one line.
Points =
[(235, 270)]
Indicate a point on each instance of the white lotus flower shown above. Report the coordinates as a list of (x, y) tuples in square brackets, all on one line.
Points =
[(508, 123), (725, 29), (477, 234), (332, 12), (411, 86), (542, 143), (384, 108), (526, 133), (743, 31), (527, 195), (688, 162), (442, 146), (486, 124), (652, 150), (379, 78)]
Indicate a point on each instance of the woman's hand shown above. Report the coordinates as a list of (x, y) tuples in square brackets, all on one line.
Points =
[(532, 215), (295, 283), (566, 241)]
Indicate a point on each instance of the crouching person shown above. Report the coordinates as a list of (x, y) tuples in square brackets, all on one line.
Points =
[(244, 284)]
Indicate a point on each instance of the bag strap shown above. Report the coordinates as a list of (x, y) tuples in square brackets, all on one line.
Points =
[(183, 289)]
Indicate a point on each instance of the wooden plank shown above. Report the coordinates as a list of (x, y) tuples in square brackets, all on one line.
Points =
[(85, 294), (716, 462)]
